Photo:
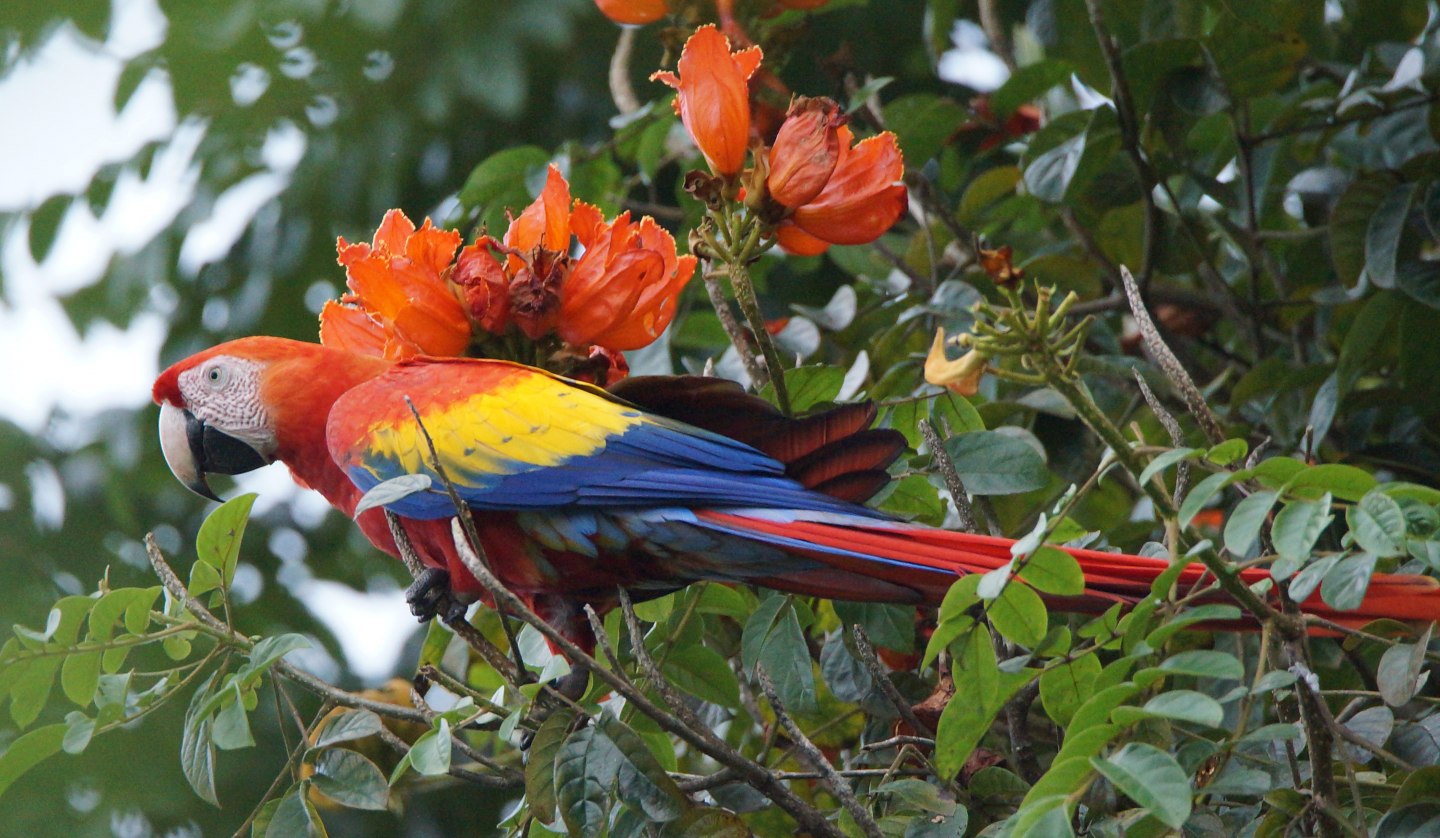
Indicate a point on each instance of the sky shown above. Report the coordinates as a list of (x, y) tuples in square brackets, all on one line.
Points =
[(58, 151)]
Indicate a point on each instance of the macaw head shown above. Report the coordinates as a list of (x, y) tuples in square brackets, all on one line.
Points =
[(243, 404)]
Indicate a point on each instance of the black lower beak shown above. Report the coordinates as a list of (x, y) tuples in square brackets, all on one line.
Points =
[(193, 449)]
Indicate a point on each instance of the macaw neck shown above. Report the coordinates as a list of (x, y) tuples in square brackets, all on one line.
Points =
[(301, 392)]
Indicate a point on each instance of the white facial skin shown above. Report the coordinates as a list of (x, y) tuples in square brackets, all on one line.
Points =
[(224, 392)]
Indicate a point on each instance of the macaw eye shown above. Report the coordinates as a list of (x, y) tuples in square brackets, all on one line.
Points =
[(217, 377)]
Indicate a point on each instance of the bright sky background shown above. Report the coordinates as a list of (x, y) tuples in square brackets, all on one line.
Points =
[(57, 149)]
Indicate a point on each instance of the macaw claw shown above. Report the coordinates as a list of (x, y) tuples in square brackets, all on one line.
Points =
[(429, 597)]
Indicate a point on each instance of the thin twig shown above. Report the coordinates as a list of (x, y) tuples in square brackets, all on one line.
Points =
[(172, 583), (866, 651), (462, 627), (1169, 364), (739, 338), (701, 738), (948, 473), (621, 90), (1172, 427), (467, 523), (838, 785)]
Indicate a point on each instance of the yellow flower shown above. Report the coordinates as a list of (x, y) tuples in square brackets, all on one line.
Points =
[(960, 376)]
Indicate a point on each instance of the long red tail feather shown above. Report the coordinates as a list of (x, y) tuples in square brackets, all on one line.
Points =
[(926, 561)]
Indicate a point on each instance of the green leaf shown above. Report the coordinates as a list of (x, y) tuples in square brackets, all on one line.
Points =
[(1378, 524), (1166, 459), (1204, 663), (702, 672), (772, 639), (993, 463), (1054, 571), (1049, 175), (500, 183), (1349, 224), (924, 123), (809, 386), (981, 691), (1065, 687), (1228, 452), (294, 816), (1201, 495), (28, 751), (1151, 778), (1401, 674), (351, 780), (197, 752), (1345, 583), (1297, 526), (1187, 706), (389, 491), (1342, 481), (271, 649), (79, 728), (1308, 579), (348, 726), (1374, 325), (1218, 612), (1382, 235), (640, 780), (1020, 615), (847, 676), (706, 822), (891, 626), (218, 542), (30, 690), (1246, 519), (540, 763), (583, 776), (78, 676), (1026, 83), (430, 755), (231, 728)]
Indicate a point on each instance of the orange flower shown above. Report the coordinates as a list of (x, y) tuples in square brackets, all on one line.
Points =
[(618, 294), (713, 99), (864, 195), (798, 242), (633, 11), (399, 303), (805, 151), (621, 292)]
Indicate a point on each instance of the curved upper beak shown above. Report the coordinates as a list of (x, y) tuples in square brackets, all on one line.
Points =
[(193, 449)]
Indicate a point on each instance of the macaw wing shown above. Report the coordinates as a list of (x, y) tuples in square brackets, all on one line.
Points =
[(511, 437)]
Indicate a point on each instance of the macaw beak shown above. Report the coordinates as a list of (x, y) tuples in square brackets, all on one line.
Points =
[(193, 449)]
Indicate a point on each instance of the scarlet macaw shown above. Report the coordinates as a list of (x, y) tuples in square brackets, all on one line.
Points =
[(574, 490)]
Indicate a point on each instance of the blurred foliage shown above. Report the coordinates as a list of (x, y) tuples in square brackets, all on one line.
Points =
[(1269, 171)]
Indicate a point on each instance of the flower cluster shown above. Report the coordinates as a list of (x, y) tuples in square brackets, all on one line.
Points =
[(816, 185), (410, 294), (619, 293)]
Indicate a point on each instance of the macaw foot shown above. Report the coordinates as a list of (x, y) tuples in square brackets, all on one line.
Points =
[(429, 597)]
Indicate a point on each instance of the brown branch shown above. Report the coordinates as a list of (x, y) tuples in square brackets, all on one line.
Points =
[(701, 738), (866, 651), (621, 91), (462, 627), (837, 784), (950, 475), (739, 338), (224, 632), (1168, 363)]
